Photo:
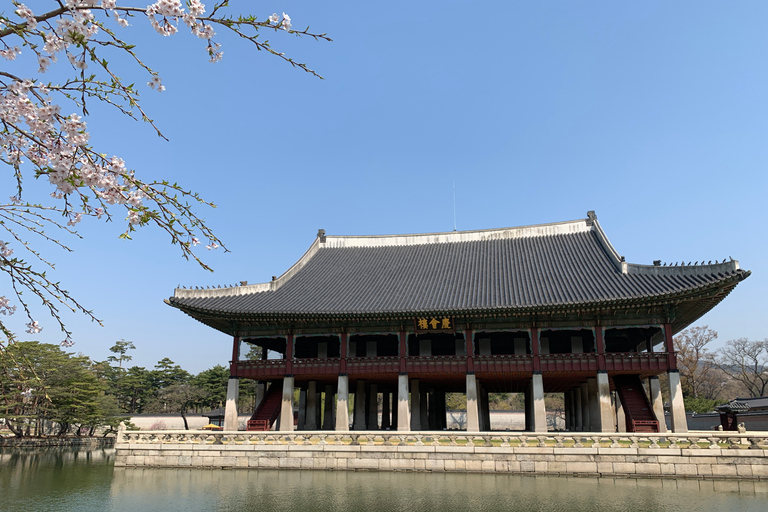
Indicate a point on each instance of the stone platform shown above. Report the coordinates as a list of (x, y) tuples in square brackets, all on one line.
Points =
[(691, 455)]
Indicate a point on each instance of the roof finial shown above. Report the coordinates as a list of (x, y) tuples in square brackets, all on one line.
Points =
[(321, 235)]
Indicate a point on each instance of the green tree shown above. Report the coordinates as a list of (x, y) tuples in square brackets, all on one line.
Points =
[(214, 382), (167, 373), (121, 348), (135, 389), (181, 397), (49, 391)]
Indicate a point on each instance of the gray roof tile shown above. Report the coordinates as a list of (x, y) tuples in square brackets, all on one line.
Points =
[(564, 264)]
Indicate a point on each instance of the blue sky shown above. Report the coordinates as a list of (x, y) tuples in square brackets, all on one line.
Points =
[(652, 113)]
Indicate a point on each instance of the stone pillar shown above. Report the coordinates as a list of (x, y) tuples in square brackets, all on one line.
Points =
[(310, 421), (359, 409), (621, 418), (442, 416), (486, 409), (585, 409), (423, 411), (528, 405), (677, 408), (328, 412), (372, 400), (286, 407), (657, 404), (261, 390), (230, 411), (537, 400), (403, 419), (385, 410), (395, 403), (577, 409), (415, 412), (604, 403), (342, 404), (473, 419), (301, 421), (432, 408), (594, 406)]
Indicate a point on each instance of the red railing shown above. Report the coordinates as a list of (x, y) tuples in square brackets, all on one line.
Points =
[(383, 364), (580, 362), (436, 364), (507, 363), (636, 361), (615, 362), (324, 366)]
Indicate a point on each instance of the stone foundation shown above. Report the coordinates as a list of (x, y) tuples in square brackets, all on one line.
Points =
[(689, 456), (26, 442)]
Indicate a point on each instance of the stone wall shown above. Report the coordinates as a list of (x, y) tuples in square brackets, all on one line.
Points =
[(688, 456), (25, 442)]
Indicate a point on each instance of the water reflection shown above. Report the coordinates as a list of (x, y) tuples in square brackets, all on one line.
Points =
[(301, 491), (84, 480)]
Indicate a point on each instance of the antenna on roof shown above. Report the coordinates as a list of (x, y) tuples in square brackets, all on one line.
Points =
[(454, 205)]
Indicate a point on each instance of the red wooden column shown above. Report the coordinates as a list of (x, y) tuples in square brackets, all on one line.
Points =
[(535, 349), (670, 345), (470, 350), (235, 356), (403, 350), (289, 355), (343, 354), (600, 345)]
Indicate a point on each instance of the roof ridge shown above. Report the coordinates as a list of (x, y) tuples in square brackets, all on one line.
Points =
[(477, 235)]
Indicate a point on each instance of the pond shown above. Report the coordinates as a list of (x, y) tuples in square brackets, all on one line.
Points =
[(60, 479)]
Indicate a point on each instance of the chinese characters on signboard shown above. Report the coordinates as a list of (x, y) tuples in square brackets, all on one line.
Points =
[(431, 323)]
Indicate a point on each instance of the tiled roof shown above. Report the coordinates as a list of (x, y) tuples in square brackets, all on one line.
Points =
[(553, 265), (745, 404)]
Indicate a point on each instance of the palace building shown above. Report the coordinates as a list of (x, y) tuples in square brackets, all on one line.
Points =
[(399, 321)]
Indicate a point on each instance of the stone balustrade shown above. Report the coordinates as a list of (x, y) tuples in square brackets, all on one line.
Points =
[(690, 455), (690, 441)]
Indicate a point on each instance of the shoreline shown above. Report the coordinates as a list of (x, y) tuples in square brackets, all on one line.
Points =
[(44, 442)]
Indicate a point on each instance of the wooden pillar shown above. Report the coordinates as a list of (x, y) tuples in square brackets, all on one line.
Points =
[(289, 355), (343, 349), (535, 349), (600, 346), (669, 344)]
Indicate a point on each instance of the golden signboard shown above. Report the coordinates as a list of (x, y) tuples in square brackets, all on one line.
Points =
[(433, 324)]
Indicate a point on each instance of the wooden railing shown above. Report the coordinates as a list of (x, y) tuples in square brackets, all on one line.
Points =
[(634, 362)]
